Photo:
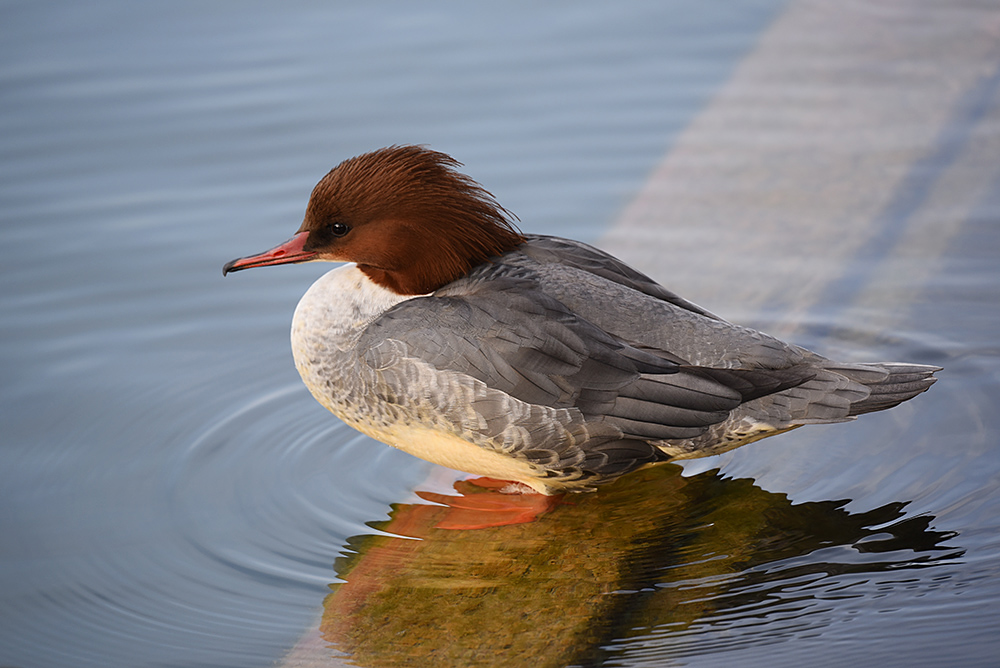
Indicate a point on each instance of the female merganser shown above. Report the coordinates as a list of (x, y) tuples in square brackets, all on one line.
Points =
[(534, 359)]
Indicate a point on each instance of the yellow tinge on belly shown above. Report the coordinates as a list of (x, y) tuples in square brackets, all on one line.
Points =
[(455, 453)]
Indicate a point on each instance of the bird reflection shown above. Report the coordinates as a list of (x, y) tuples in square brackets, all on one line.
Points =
[(654, 555)]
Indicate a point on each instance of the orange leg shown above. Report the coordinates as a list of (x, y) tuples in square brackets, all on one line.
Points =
[(485, 503)]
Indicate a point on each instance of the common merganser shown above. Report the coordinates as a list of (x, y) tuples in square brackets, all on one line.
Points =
[(528, 358)]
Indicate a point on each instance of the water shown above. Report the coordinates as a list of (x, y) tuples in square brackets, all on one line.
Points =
[(171, 495)]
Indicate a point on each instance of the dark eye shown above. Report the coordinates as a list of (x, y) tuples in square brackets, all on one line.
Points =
[(339, 229)]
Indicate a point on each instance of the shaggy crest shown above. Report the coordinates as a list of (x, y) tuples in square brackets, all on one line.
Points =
[(415, 222)]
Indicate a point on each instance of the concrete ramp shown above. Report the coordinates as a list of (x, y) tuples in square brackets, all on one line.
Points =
[(833, 167)]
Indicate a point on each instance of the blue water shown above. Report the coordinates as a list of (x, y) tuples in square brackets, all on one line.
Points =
[(169, 492)]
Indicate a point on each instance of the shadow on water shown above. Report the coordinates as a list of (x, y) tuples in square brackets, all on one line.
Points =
[(656, 555)]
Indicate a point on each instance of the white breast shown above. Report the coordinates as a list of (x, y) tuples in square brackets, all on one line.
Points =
[(339, 306), (330, 318), (328, 322)]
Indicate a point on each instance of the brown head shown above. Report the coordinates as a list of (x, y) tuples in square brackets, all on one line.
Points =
[(410, 221)]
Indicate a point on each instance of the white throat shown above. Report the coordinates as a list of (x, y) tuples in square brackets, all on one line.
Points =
[(339, 306)]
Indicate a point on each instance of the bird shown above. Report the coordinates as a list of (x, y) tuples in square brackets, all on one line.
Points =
[(536, 360)]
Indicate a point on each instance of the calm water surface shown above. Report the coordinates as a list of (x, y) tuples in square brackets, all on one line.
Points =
[(170, 495)]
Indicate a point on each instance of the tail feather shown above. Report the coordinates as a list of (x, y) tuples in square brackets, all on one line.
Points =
[(839, 392), (901, 382)]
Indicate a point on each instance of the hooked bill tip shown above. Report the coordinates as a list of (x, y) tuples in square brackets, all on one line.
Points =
[(290, 252)]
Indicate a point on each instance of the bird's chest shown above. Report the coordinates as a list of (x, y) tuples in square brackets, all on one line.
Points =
[(328, 324)]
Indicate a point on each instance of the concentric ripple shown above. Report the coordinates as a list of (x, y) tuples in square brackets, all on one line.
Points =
[(300, 479)]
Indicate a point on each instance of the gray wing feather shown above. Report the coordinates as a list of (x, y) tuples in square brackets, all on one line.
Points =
[(506, 333), (566, 252)]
